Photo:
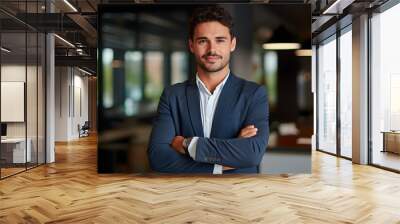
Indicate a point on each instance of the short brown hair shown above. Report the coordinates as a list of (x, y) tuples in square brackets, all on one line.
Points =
[(209, 14)]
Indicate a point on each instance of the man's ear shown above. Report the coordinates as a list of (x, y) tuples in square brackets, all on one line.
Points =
[(191, 45), (233, 44)]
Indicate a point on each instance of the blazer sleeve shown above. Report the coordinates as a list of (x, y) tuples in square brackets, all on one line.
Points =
[(240, 152), (162, 157)]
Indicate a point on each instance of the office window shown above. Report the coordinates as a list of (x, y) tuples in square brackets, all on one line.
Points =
[(346, 93), (385, 88), (154, 75), (133, 81), (108, 55), (179, 67), (270, 71), (327, 95)]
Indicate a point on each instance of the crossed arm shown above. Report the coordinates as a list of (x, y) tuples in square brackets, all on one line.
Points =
[(247, 132), (244, 151)]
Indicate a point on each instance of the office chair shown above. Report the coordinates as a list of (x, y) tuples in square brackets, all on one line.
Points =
[(84, 130)]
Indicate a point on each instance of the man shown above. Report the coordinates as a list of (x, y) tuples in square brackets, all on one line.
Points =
[(216, 123)]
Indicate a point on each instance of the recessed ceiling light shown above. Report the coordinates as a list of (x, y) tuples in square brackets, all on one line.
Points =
[(65, 41), (304, 52), (84, 71), (5, 49), (70, 5), (281, 46), (337, 7)]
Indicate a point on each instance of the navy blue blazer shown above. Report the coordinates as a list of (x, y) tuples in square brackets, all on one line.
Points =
[(241, 103)]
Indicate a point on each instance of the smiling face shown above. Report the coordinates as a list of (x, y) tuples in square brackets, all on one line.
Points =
[(212, 45)]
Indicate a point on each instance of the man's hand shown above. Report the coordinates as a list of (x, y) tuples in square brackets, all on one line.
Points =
[(227, 168), (248, 132), (177, 144)]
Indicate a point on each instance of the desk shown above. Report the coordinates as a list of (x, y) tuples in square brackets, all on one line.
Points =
[(16, 147), (391, 141)]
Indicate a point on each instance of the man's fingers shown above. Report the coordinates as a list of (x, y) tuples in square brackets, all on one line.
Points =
[(249, 132), (227, 168), (177, 139), (249, 135), (248, 127), (177, 143)]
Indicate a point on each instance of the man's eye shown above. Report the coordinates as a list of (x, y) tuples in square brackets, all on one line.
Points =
[(221, 41), (202, 41)]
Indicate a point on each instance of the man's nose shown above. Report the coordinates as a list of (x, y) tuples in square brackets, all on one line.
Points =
[(211, 47)]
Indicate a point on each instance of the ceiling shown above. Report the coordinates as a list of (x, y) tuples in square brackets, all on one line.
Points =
[(76, 22)]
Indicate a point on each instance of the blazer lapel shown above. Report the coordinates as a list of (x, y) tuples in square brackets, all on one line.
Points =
[(226, 100), (193, 104)]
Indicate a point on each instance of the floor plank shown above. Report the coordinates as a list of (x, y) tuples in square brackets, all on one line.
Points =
[(71, 191)]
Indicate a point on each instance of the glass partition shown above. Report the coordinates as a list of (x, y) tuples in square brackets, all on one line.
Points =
[(327, 96), (15, 151), (385, 89), (22, 77), (346, 93)]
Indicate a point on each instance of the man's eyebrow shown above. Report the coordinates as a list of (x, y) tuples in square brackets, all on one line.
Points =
[(201, 38), (219, 38)]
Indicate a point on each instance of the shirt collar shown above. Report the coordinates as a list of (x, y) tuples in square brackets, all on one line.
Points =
[(202, 86)]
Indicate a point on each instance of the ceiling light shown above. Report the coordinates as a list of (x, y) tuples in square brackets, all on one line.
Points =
[(65, 41), (5, 49), (282, 39), (304, 52), (84, 71), (70, 5), (337, 7), (281, 46)]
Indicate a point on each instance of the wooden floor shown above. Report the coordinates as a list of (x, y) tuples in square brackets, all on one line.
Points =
[(10, 171), (387, 159), (70, 191)]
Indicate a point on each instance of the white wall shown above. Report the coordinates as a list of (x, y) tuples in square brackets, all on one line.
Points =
[(71, 94), (12, 73), (61, 103), (33, 126)]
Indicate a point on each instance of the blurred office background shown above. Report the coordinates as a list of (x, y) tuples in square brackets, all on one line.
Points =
[(143, 49), (51, 47)]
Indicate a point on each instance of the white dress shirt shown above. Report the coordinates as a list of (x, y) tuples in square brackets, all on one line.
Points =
[(208, 104)]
